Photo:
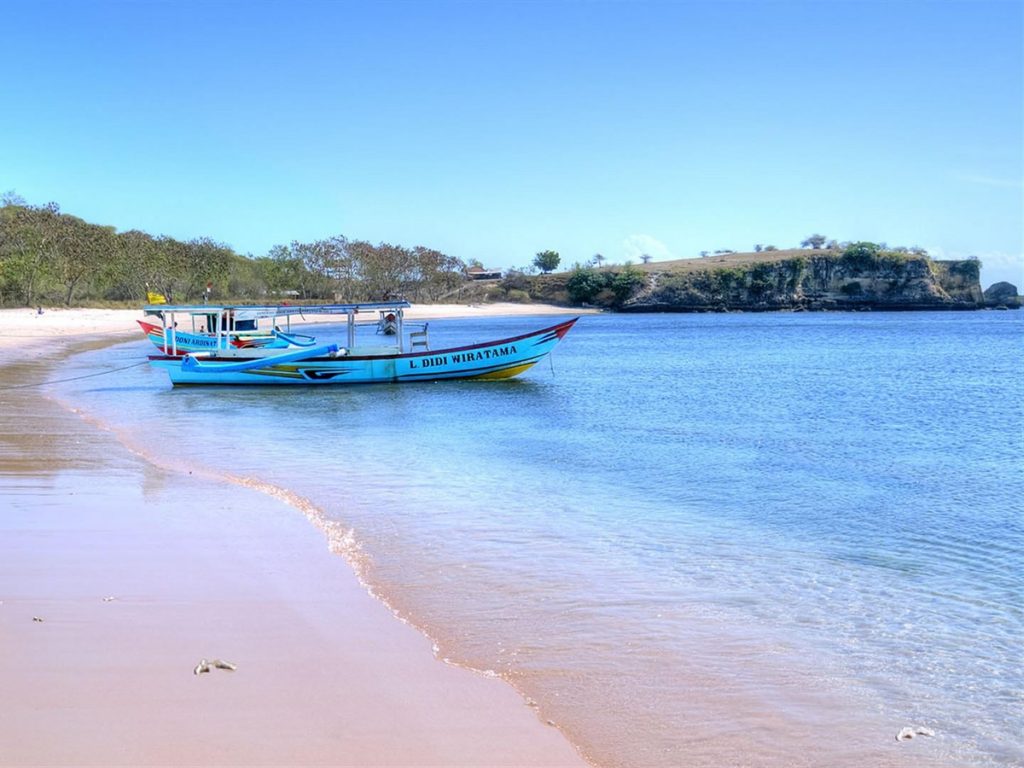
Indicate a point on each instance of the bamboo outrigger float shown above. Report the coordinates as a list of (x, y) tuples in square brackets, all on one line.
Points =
[(406, 357)]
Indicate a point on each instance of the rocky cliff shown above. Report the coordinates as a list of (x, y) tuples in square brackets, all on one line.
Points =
[(863, 276), (817, 282)]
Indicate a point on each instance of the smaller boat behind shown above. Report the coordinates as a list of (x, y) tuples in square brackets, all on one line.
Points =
[(210, 328), (388, 324)]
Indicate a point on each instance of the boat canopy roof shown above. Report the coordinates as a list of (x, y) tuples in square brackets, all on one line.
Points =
[(255, 312)]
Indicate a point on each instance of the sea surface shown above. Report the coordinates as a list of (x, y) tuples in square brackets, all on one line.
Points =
[(689, 540)]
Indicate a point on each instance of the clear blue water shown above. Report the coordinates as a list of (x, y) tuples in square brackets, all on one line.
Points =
[(688, 537)]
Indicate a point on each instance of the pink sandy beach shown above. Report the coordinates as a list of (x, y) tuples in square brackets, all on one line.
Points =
[(138, 572)]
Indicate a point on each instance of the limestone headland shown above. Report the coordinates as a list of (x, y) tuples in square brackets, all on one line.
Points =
[(859, 276)]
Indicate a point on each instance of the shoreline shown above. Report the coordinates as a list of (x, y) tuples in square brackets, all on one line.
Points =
[(200, 568), (25, 327)]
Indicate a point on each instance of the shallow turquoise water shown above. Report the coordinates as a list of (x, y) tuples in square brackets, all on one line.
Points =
[(687, 530)]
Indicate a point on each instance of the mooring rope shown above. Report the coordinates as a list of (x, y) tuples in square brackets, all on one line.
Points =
[(72, 378)]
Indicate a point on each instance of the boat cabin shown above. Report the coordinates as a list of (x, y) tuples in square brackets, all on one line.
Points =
[(235, 326)]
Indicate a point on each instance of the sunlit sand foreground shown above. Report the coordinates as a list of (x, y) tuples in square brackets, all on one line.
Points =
[(118, 577)]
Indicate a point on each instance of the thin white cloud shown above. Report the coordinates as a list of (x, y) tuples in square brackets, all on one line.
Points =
[(636, 246)]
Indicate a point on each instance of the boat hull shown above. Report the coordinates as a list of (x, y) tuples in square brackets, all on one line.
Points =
[(498, 359), (493, 360)]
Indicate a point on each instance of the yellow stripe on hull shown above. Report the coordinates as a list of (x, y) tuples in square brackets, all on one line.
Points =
[(505, 373)]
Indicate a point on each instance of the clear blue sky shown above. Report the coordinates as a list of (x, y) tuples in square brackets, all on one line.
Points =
[(495, 130)]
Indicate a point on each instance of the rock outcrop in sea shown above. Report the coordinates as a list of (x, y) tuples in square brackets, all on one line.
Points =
[(1002, 295)]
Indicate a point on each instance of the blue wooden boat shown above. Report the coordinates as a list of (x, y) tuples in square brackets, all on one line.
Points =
[(407, 358)]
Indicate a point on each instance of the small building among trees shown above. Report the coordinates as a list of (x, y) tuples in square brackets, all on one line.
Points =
[(479, 273)]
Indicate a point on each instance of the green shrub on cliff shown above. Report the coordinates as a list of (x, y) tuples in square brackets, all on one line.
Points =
[(702, 281), (860, 257), (584, 284), (730, 279), (762, 280), (625, 283)]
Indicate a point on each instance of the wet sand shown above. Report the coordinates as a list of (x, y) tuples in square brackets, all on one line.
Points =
[(326, 675)]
